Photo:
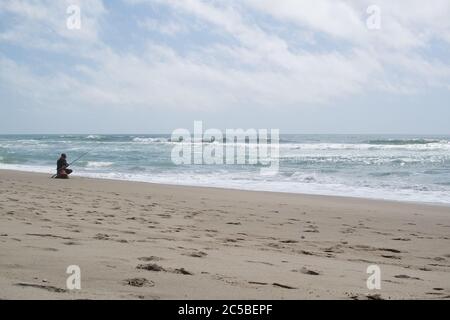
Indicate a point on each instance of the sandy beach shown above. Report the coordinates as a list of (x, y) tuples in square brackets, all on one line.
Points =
[(148, 241)]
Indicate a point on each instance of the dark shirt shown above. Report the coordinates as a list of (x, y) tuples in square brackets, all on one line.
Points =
[(62, 163)]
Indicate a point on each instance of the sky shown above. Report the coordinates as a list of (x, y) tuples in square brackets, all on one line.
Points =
[(151, 66)]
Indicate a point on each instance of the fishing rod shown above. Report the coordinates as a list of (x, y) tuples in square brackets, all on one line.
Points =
[(80, 157)]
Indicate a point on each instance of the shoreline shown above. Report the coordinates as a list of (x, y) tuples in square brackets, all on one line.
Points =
[(77, 176), (138, 240)]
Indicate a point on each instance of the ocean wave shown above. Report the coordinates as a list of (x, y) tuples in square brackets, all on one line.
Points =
[(12, 158), (357, 159), (93, 137), (392, 173), (443, 145), (150, 140), (298, 183), (302, 177), (137, 169), (399, 142), (372, 166), (415, 193), (98, 164)]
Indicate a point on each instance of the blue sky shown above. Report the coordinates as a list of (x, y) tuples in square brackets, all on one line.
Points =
[(149, 66)]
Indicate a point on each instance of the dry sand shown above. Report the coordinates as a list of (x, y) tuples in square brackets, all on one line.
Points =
[(148, 241)]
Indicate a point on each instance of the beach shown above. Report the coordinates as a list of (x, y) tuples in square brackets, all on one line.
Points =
[(136, 240)]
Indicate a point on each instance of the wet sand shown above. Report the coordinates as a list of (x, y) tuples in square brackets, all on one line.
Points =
[(149, 241)]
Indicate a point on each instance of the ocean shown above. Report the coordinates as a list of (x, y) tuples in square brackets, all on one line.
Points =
[(395, 167)]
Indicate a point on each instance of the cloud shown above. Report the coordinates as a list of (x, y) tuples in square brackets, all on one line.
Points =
[(42, 24), (336, 18), (240, 55), (168, 28), (405, 24)]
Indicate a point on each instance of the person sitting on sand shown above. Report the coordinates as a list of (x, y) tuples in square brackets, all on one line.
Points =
[(61, 168)]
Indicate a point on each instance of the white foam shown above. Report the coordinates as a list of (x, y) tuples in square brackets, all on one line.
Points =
[(443, 145), (296, 183), (307, 186), (99, 164), (27, 168), (149, 140)]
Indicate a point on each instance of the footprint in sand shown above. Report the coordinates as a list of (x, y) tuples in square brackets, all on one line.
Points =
[(40, 286), (229, 240), (197, 254), (158, 268), (425, 269), (47, 235), (181, 271), (390, 250), (375, 296), (139, 282), (439, 259), (262, 262), (102, 236), (335, 249), (404, 276), (71, 243), (288, 241), (258, 283), (150, 267), (307, 271), (312, 228), (387, 256), (275, 284), (401, 239), (348, 230)]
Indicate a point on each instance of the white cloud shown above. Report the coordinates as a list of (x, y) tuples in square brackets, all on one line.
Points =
[(405, 23), (42, 24), (336, 18), (168, 28), (260, 68)]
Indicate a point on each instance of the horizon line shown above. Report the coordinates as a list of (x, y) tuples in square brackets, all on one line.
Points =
[(169, 133)]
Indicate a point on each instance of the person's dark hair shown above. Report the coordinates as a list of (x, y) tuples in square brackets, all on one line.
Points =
[(63, 155)]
